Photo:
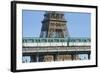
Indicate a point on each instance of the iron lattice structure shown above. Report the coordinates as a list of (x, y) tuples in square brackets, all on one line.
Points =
[(54, 25)]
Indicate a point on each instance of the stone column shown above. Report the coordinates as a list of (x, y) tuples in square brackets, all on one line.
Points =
[(72, 57), (89, 56), (48, 58), (37, 57), (67, 57), (55, 57), (32, 58)]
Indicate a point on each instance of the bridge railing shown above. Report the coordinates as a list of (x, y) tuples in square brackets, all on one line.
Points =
[(31, 42), (49, 40), (56, 49), (56, 44)]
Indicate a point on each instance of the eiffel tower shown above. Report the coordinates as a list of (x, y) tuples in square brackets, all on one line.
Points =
[(54, 25)]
